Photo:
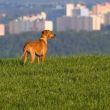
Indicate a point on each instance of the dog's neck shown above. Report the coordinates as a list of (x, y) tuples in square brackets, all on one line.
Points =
[(44, 38)]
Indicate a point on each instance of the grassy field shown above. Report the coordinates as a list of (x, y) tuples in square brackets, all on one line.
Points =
[(62, 83)]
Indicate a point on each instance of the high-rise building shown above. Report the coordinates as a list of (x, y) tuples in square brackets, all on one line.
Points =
[(81, 12), (69, 9), (30, 23), (79, 18), (100, 9), (79, 23), (97, 22), (19, 26), (2, 29), (78, 9), (107, 19), (40, 25)]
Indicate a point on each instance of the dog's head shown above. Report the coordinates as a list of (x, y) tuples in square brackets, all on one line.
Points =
[(49, 34)]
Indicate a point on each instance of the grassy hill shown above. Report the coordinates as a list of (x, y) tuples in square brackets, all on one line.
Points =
[(62, 83)]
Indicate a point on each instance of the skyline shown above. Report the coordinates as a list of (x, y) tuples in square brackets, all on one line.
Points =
[(86, 1), (13, 11)]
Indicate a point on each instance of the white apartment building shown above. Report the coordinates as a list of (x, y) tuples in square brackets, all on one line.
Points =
[(69, 9), (79, 23), (30, 23), (2, 29), (96, 22), (76, 9), (81, 12), (19, 26), (78, 18), (40, 25), (107, 19)]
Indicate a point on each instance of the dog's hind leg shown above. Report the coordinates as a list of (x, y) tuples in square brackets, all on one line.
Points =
[(24, 57), (32, 57)]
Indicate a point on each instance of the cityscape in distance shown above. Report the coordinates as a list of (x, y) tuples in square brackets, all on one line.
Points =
[(45, 1), (59, 16), (81, 27)]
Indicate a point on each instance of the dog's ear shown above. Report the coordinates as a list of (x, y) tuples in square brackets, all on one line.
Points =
[(44, 31)]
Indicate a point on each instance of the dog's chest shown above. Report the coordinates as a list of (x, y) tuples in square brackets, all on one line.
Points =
[(41, 50)]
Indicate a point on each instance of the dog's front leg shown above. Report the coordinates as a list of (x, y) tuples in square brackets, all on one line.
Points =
[(38, 59), (43, 58)]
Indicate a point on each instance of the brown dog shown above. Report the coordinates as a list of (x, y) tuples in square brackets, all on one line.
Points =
[(37, 47)]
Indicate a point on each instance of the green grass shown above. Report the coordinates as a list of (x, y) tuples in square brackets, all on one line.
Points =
[(62, 83)]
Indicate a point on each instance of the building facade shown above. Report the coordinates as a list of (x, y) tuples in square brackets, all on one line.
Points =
[(2, 30), (107, 19), (101, 9), (81, 12), (69, 9), (79, 23), (79, 18), (30, 23), (78, 9)]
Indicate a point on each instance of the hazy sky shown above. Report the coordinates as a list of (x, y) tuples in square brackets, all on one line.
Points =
[(87, 1), (59, 0)]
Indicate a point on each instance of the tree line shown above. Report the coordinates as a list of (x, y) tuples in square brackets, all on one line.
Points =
[(66, 43)]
